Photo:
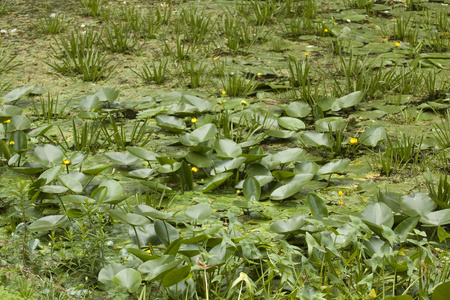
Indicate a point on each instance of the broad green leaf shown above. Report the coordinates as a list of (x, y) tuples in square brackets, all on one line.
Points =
[(156, 186), (402, 297), (18, 93), (331, 123), (40, 131), (378, 214), (186, 178), (199, 212), (205, 133), (289, 225), (306, 167), (129, 279), (442, 234), (200, 160), (75, 213), (158, 268), (437, 218), (200, 104), (114, 189), (405, 227), (291, 123), (334, 167), (50, 174), (293, 185), (279, 134), (175, 276), (170, 168), (142, 153), (441, 292), (48, 155), (226, 148), (213, 182), (227, 165), (417, 204), (170, 123), (141, 173), (70, 183), (19, 123), (107, 93), (122, 158), (287, 156), (150, 212), (20, 140), (317, 139), (166, 232), (94, 170), (317, 206), (48, 223), (373, 136), (54, 189), (251, 189), (298, 109), (91, 103), (129, 218), (108, 272), (146, 235), (347, 101)]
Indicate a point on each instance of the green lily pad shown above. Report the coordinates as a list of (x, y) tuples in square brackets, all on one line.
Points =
[(291, 123)]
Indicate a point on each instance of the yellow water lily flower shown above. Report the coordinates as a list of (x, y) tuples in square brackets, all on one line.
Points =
[(7, 121), (397, 44), (224, 92), (306, 54), (12, 143), (340, 193), (353, 140), (243, 102), (66, 162), (194, 120), (325, 30), (194, 169)]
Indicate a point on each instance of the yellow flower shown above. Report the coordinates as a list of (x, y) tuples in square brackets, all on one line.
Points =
[(66, 162), (224, 92), (12, 143), (194, 169), (353, 140), (397, 44), (340, 193), (243, 102), (7, 121), (340, 202), (149, 251), (194, 120), (306, 54), (216, 58), (325, 30), (259, 74)]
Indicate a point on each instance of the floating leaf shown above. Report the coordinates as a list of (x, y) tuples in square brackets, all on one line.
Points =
[(317, 206), (317, 139), (347, 101), (142, 153), (205, 133), (159, 267), (54, 189), (129, 279), (289, 225), (334, 167), (228, 165), (70, 183), (90, 104), (213, 182), (18, 93), (293, 185), (107, 93), (175, 276), (122, 158), (170, 123), (417, 204), (94, 170), (298, 109), (373, 136), (226, 148), (291, 123), (129, 218), (330, 124), (48, 155), (48, 223), (200, 160), (199, 212), (108, 272), (19, 123), (251, 189), (378, 214)]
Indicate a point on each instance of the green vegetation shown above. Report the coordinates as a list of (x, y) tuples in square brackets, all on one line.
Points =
[(224, 150)]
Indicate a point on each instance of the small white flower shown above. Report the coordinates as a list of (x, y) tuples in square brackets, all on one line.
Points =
[(13, 30), (82, 25), (4, 31), (349, 21), (53, 15)]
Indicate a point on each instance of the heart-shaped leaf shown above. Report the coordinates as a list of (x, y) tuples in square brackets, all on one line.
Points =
[(48, 223), (293, 185), (129, 279), (347, 101)]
